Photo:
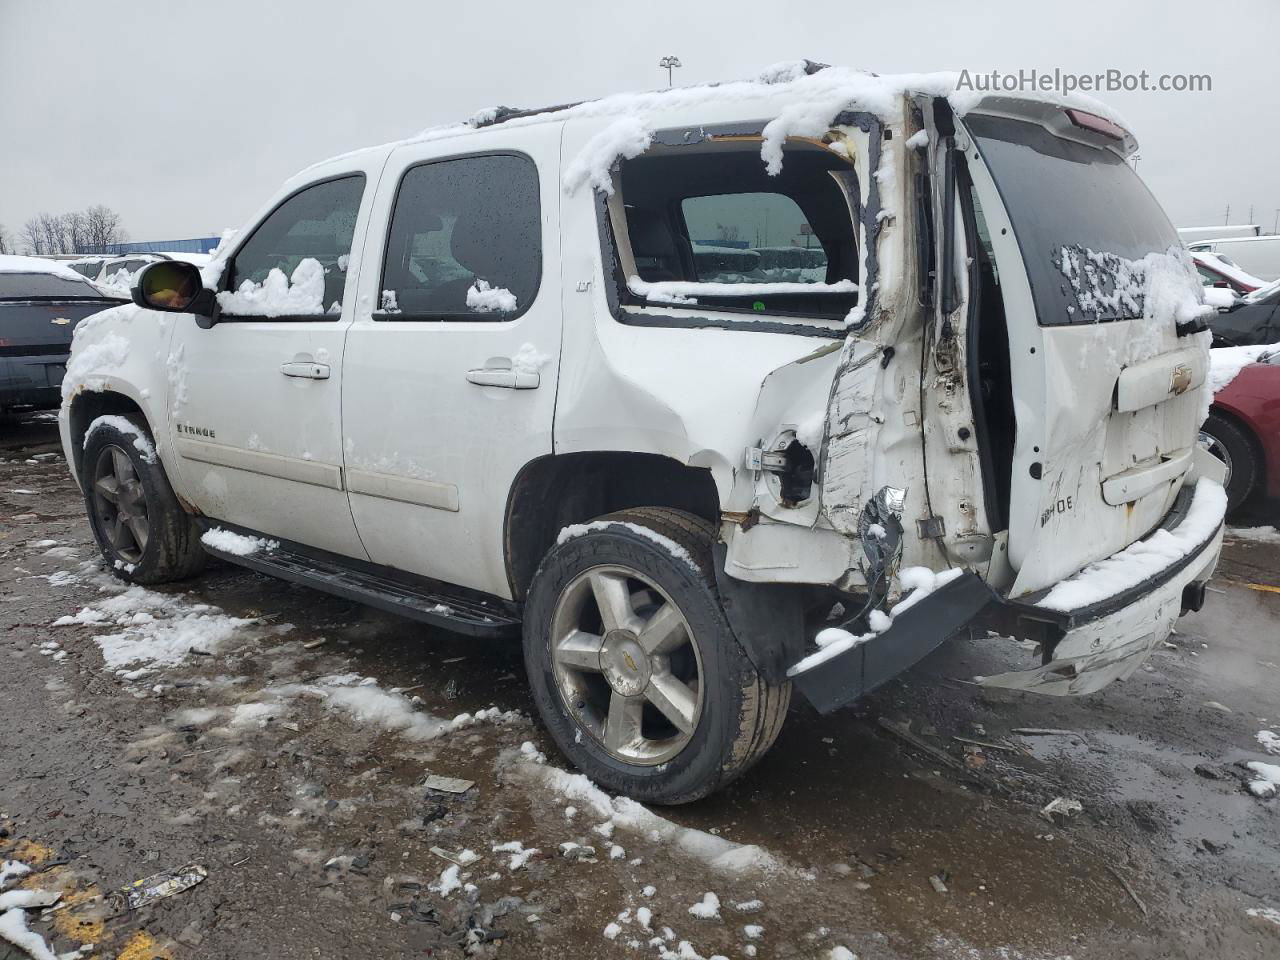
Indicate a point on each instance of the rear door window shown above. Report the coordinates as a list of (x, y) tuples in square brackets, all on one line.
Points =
[(294, 265), (465, 241)]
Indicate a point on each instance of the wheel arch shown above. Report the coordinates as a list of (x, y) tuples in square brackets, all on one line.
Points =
[(85, 407), (555, 491)]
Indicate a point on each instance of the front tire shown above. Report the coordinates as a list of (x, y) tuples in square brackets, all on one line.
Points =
[(142, 531), (634, 668), (1234, 447)]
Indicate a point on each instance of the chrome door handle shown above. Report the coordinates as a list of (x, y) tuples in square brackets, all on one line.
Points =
[(305, 369), (504, 377)]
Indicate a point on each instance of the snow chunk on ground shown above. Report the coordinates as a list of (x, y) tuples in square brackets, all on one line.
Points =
[(1225, 363), (301, 293), (708, 908), (716, 852), (1255, 534), (625, 138), (483, 298), (235, 543), (1146, 558), (448, 881), (611, 931), (842, 953), (12, 870), (581, 529), (1267, 783), (519, 855), (1269, 742), (141, 442)]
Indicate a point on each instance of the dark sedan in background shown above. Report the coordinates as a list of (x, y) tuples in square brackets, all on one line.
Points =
[(41, 302), (1252, 320)]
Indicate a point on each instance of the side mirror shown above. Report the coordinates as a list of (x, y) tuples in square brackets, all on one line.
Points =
[(173, 286)]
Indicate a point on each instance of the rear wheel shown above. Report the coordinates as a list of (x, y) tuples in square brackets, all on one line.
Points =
[(143, 532), (632, 663), (1234, 447)]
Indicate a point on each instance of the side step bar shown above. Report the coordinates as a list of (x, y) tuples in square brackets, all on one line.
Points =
[(467, 615), (916, 632)]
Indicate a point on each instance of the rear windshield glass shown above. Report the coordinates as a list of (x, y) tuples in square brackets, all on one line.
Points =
[(1072, 206), (40, 286)]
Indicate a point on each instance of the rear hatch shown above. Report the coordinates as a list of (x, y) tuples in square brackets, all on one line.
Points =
[(1103, 308)]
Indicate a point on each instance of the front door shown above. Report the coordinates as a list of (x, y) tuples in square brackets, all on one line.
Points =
[(255, 401), (451, 363)]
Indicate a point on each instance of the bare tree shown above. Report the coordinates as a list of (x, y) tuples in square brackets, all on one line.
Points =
[(51, 227), (102, 227), (4, 240), (32, 236), (77, 231)]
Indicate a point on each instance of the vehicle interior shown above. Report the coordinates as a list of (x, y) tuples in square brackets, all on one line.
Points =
[(710, 213)]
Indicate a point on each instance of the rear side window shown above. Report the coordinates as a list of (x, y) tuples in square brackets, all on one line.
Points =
[(295, 263), (708, 229), (465, 241)]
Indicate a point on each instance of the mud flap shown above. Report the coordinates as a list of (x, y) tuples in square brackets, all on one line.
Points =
[(915, 633), (767, 619)]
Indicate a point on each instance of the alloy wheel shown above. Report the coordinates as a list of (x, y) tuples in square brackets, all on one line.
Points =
[(1219, 450), (120, 502), (627, 665)]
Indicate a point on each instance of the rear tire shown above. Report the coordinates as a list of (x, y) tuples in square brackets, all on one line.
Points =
[(1234, 447), (609, 675), (142, 531)]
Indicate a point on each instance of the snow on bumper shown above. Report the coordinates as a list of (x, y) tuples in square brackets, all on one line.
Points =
[(1115, 612)]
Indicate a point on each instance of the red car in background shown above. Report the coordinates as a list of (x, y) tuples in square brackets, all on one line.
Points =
[(1243, 431)]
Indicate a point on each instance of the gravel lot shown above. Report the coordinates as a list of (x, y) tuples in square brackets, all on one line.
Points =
[(301, 789)]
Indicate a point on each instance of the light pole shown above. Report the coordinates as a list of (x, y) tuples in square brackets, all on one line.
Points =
[(670, 63)]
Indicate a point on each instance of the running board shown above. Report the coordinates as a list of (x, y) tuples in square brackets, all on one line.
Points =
[(467, 615)]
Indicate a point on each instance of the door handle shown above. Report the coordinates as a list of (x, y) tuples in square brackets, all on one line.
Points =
[(504, 377), (306, 369)]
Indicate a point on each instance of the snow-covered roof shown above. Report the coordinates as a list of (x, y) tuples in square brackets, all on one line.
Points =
[(1226, 268), (797, 98), (11, 263)]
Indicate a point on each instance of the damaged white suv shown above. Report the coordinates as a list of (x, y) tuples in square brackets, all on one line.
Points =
[(719, 392)]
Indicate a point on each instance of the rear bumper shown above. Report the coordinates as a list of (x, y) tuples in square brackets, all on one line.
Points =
[(1088, 647)]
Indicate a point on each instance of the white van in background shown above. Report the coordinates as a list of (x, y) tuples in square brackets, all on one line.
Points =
[(1259, 256), (1190, 235)]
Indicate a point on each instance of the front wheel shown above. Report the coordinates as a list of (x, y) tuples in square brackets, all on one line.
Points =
[(144, 534), (633, 666), (1230, 444)]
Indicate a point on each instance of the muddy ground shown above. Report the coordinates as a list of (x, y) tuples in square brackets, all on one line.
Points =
[(316, 829)]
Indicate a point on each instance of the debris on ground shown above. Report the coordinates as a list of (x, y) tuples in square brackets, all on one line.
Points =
[(448, 784), (1042, 732), (1128, 889), (1061, 808), (148, 890), (1215, 705), (939, 882)]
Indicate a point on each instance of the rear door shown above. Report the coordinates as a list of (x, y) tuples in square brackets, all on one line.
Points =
[(451, 364), (255, 401), (1107, 392)]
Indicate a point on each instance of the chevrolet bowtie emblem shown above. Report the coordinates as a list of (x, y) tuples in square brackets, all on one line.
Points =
[(1180, 380)]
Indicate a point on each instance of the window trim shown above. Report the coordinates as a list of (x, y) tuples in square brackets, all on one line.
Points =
[(224, 282), (383, 316)]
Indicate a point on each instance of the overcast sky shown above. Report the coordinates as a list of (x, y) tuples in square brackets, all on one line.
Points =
[(185, 117)]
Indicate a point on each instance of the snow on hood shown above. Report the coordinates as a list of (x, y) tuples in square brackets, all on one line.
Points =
[(1225, 363), (12, 263)]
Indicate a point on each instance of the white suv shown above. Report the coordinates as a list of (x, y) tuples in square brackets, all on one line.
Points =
[(557, 369)]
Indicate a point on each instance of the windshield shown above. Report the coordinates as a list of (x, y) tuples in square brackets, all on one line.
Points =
[(45, 286), (1083, 220), (1263, 293)]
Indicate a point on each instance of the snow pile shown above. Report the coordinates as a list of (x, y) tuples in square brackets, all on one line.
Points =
[(90, 364), (141, 442), (708, 908), (519, 855), (666, 543), (1269, 742), (1254, 534), (300, 294), (236, 544), (1267, 782), (1146, 558), (155, 628), (833, 641), (1225, 363), (627, 815), (483, 298), (529, 359), (13, 921), (625, 138), (680, 291)]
